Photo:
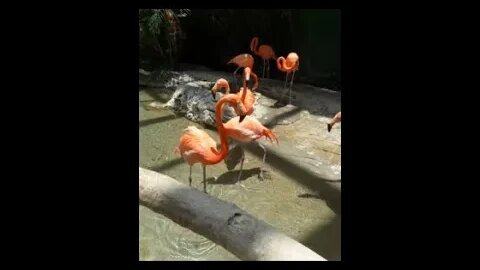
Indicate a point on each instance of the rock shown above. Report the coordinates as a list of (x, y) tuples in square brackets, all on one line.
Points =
[(178, 79), (194, 100)]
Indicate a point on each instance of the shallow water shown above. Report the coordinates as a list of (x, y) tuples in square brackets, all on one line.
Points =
[(278, 200)]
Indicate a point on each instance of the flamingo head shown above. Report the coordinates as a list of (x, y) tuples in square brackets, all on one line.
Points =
[(219, 85)]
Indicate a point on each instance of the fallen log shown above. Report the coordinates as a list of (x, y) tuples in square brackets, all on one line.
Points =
[(222, 222)]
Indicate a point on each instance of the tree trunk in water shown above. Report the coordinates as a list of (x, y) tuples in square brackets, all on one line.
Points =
[(222, 222)]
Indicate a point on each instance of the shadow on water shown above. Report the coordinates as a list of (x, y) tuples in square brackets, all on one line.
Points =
[(156, 120), (326, 240), (230, 178), (327, 191), (309, 196)]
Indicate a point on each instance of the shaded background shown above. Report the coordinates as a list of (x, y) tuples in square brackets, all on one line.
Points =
[(212, 37)]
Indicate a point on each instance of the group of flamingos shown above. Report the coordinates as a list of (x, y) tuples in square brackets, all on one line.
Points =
[(196, 146)]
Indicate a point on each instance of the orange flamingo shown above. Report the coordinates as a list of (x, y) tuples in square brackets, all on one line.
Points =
[(237, 129), (246, 131), (336, 119), (265, 52), (241, 60), (288, 65), (196, 146), (247, 97)]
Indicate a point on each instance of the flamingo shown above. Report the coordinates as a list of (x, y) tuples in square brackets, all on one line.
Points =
[(241, 60), (337, 118), (265, 52), (252, 129), (288, 65), (196, 146), (248, 130), (247, 97)]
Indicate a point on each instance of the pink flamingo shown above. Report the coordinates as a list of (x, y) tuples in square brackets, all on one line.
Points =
[(196, 146), (289, 65), (250, 129), (247, 131), (265, 52), (247, 97), (241, 60)]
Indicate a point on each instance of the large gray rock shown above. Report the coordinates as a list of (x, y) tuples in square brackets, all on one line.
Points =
[(194, 100)]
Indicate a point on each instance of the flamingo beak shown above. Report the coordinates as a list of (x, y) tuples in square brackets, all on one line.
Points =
[(242, 117), (213, 95), (247, 74), (329, 127)]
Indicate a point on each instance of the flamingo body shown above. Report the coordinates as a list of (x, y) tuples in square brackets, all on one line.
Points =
[(196, 146), (247, 131), (265, 52), (289, 64), (242, 60), (250, 129)]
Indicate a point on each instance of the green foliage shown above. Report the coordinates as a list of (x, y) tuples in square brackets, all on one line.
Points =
[(160, 34)]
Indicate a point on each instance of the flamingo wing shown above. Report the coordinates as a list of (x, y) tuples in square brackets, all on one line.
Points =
[(266, 52), (195, 145), (242, 60), (248, 130)]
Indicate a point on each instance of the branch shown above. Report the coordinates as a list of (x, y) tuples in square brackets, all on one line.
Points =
[(222, 222)]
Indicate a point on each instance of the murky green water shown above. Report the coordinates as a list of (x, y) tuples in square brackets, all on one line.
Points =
[(275, 200)]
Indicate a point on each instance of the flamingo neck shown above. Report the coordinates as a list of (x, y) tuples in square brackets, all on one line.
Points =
[(244, 94), (221, 130), (281, 63), (255, 85), (253, 45)]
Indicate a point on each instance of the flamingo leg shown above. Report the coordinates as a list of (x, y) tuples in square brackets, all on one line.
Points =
[(204, 179), (268, 69), (241, 165), (190, 177), (290, 90), (285, 84), (234, 77), (263, 69), (263, 160)]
